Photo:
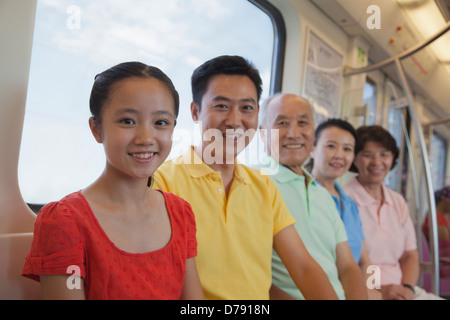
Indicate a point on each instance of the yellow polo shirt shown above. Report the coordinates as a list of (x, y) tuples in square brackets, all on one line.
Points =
[(234, 234)]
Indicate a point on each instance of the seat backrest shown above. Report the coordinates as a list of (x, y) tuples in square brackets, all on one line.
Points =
[(16, 219), (444, 283), (13, 249)]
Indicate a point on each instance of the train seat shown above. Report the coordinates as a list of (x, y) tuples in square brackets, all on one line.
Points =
[(13, 249), (444, 282)]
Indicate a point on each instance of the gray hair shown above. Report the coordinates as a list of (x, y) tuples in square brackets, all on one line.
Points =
[(263, 107)]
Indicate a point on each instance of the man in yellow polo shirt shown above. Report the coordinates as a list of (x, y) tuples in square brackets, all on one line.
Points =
[(239, 212)]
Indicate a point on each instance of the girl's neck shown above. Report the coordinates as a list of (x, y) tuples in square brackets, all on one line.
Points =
[(119, 191)]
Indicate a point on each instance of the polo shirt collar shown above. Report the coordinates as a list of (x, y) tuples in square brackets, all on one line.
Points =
[(343, 196), (363, 197), (341, 192), (339, 189), (285, 175), (241, 174), (387, 195), (197, 168)]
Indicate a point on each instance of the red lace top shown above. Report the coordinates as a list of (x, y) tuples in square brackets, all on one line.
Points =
[(67, 234)]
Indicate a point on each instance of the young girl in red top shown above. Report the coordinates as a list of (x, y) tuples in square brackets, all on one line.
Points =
[(123, 239)]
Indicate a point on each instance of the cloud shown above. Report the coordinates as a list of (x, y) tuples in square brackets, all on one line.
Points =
[(156, 30), (174, 35)]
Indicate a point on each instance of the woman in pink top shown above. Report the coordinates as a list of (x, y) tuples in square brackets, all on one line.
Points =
[(387, 226)]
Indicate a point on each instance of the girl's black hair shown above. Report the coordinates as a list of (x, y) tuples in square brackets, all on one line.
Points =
[(101, 90)]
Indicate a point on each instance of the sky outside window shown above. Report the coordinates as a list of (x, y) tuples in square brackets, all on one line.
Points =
[(75, 40)]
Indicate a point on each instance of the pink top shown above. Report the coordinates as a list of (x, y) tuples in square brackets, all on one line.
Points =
[(67, 233), (389, 234)]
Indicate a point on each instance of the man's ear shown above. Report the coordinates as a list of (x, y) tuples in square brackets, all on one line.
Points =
[(195, 111), (96, 130), (263, 134)]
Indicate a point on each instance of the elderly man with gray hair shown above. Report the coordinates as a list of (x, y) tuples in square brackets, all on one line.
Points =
[(317, 219)]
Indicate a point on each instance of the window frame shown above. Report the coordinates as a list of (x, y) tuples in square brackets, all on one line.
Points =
[(279, 47)]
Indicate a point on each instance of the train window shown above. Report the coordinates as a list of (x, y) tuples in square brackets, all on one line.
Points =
[(75, 40), (438, 156), (370, 99)]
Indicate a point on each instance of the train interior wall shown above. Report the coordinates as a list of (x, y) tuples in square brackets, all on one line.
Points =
[(348, 38)]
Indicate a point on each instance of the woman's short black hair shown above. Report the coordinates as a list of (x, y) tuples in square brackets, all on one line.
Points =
[(334, 122), (330, 123)]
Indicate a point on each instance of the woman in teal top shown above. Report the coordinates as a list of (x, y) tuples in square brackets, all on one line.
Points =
[(331, 158)]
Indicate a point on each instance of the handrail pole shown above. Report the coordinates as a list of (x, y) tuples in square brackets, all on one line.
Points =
[(424, 155), (421, 141)]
